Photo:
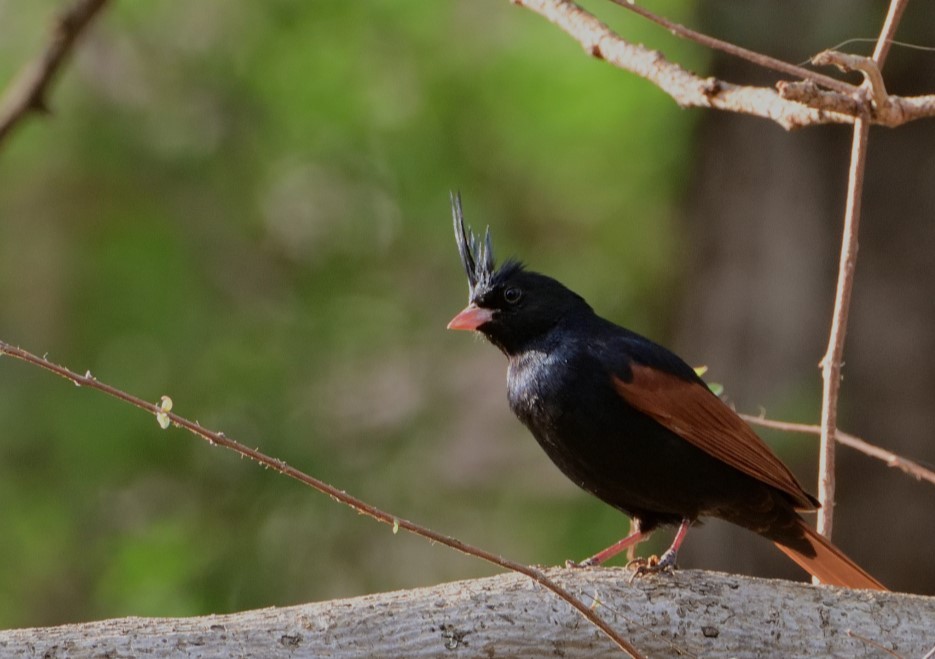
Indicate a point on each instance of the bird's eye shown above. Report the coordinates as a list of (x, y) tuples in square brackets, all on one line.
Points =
[(512, 295)]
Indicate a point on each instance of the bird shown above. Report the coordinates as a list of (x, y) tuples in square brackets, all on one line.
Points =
[(631, 423)]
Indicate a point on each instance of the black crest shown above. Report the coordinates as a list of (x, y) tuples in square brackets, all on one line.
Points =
[(476, 256)]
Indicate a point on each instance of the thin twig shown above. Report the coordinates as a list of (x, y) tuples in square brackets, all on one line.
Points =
[(219, 439), (831, 362), (873, 644), (27, 93), (905, 465), (738, 51), (890, 25)]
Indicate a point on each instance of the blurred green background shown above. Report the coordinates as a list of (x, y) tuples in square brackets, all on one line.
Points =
[(245, 206)]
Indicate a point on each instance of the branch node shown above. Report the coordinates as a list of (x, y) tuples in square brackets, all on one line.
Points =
[(865, 65), (711, 86)]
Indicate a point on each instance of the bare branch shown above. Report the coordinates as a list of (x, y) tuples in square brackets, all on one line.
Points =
[(905, 465), (808, 93), (890, 25), (896, 111), (27, 93), (219, 439), (789, 109), (831, 362), (737, 51)]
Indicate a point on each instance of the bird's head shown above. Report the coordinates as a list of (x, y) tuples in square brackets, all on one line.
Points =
[(509, 305)]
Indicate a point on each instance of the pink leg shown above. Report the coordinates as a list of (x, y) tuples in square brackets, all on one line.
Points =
[(631, 540), (668, 558)]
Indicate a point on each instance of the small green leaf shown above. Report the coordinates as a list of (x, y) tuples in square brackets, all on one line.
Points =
[(716, 388)]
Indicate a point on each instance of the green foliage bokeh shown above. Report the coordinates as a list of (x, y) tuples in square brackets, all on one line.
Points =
[(245, 206)]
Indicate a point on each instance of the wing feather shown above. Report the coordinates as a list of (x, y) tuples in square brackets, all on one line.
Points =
[(692, 412)]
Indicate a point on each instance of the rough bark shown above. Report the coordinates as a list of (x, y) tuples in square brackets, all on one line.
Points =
[(690, 613)]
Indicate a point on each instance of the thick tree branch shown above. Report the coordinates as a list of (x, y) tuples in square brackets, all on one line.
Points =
[(688, 614), (27, 93), (787, 108)]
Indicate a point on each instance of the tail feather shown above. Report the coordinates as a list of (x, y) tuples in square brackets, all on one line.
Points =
[(829, 564)]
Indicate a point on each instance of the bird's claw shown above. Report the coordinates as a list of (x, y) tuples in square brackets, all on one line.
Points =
[(579, 564), (652, 565)]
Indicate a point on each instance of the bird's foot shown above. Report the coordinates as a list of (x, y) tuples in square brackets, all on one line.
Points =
[(588, 562), (652, 565)]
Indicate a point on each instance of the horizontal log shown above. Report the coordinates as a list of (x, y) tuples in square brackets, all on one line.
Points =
[(690, 613)]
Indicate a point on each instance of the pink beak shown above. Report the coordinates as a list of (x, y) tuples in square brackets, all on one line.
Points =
[(471, 318)]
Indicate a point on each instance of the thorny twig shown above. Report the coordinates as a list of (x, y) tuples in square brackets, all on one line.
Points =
[(219, 439)]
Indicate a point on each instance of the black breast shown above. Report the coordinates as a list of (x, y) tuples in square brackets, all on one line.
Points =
[(564, 396)]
